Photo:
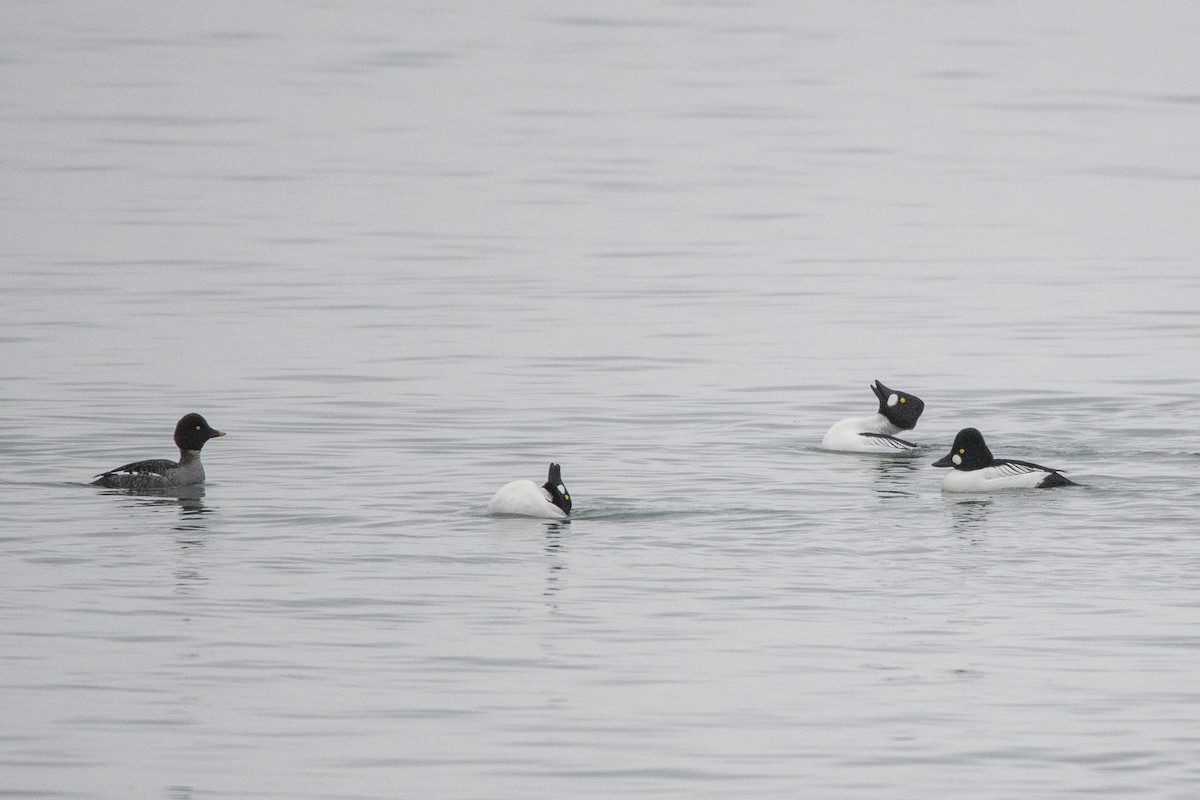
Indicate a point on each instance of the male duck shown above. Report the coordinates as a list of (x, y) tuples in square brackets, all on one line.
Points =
[(527, 499), (975, 470), (898, 412)]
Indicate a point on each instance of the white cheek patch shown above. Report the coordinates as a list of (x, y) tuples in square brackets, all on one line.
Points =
[(957, 459), (893, 399), (562, 489)]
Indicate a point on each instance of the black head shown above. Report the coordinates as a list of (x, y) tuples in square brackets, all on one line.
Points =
[(193, 431), (968, 452), (558, 492), (902, 410)]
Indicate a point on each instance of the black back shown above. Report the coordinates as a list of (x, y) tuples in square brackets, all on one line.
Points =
[(193, 431), (901, 409), (558, 491), (1056, 478)]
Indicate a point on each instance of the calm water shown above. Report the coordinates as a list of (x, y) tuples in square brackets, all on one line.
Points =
[(404, 253)]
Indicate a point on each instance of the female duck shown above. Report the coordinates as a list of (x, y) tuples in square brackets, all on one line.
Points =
[(527, 499), (898, 412), (975, 470), (159, 473)]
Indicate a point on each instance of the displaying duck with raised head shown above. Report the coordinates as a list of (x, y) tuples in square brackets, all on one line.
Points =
[(898, 412), (160, 473), (527, 499), (976, 470)]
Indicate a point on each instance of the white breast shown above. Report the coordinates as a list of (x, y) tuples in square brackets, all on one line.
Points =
[(523, 499), (846, 435), (993, 479)]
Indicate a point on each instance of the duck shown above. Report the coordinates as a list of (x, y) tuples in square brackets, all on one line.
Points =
[(191, 432), (898, 411), (976, 470), (525, 498)]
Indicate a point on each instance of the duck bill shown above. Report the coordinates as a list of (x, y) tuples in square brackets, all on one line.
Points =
[(945, 461)]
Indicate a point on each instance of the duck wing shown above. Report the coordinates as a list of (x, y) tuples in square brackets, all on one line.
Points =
[(150, 471), (886, 442), (1054, 477)]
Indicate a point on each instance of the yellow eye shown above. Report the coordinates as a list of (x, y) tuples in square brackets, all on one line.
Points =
[(903, 399), (961, 450)]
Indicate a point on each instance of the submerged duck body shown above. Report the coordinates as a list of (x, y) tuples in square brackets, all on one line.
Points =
[(526, 499), (976, 470), (191, 432), (898, 412)]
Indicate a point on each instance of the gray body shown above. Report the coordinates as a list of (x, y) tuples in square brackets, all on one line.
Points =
[(155, 473), (159, 473)]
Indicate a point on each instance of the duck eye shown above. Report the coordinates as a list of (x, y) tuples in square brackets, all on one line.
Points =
[(962, 450), (903, 399), (197, 427)]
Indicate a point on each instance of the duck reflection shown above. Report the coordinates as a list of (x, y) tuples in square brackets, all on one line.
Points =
[(895, 476), (190, 526), (188, 499), (967, 514), (556, 531)]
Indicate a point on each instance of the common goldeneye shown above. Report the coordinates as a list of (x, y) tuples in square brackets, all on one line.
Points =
[(159, 473), (975, 470), (877, 434), (527, 499)]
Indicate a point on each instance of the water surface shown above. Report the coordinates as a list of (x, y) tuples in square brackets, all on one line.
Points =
[(404, 254)]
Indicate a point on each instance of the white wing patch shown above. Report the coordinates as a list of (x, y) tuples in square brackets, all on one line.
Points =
[(1010, 468), (884, 442)]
